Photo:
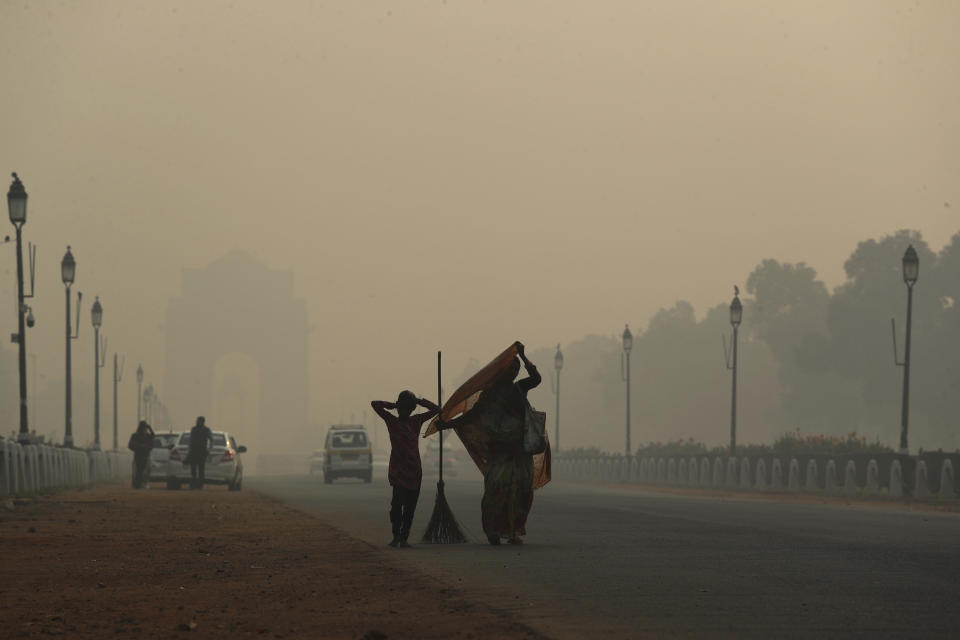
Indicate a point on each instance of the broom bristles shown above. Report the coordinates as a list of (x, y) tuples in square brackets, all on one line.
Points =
[(443, 527)]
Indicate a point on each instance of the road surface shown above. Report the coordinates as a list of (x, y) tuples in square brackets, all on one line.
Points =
[(633, 563)]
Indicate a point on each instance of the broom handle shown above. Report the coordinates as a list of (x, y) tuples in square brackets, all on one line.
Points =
[(440, 404)]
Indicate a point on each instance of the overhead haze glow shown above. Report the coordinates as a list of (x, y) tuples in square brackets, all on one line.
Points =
[(457, 176)]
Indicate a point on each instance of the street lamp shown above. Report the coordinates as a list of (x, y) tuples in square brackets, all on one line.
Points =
[(147, 400), (627, 346), (117, 377), (911, 271), (156, 410), (736, 315), (68, 271), (139, 392), (557, 364), (96, 317), (17, 208)]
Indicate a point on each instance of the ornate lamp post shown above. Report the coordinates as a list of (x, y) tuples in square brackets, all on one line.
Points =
[(68, 271), (627, 346), (96, 317), (911, 271), (557, 364), (17, 208), (117, 377), (147, 403), (139, 392), (736, 315)]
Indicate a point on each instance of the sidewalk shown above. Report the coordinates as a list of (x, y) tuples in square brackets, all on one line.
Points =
[(113, 562)]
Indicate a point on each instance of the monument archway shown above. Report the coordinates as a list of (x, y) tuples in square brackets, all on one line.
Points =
[(237, 305)]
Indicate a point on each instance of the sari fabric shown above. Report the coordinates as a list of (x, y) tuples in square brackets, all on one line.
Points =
[(492, 424)]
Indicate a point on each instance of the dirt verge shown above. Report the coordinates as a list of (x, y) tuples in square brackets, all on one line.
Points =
[(113, 562)]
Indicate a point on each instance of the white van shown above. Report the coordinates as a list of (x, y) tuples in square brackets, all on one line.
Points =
[(347, 453)]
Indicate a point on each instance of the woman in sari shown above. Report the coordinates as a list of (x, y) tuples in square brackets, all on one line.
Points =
[(502, 417)]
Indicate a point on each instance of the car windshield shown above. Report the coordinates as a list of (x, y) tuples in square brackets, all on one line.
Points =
[(349, 439), (164, 440), (219, 440)]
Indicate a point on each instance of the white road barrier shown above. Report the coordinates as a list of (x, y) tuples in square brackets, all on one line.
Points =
[(926, 476), (35, 467)]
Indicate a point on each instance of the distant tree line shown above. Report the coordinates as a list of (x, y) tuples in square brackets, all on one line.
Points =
[(811, 359)]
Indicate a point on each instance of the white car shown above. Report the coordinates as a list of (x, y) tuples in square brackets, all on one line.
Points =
[(316, 462), (347, 453), (224, 465), (160, 455)]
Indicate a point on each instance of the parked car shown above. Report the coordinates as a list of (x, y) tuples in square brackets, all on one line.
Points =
[(316, 462), (224, 464), (347, 453), (160, 455)]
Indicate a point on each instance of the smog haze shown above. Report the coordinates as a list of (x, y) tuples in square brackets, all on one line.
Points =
[(456, 176)]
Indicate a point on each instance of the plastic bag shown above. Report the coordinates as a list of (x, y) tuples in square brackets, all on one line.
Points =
[(534, 439)]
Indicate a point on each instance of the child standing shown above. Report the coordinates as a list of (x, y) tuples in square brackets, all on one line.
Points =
[(405, 473)]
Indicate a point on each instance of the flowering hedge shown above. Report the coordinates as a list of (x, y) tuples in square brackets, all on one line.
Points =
[(688, 447), (793, 442), (790, 443), (583, 452)]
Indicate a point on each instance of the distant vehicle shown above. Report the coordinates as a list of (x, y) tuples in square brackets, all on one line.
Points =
[(347, 453), (430, 459), (224, 465), (316, 462), (160, 455)]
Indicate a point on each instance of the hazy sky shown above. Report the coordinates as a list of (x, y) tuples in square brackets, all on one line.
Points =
[(457, 175)]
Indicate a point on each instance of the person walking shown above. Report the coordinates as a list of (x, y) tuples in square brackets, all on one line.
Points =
[(505, 428), (405, 472), (201, 441), (141, 443)]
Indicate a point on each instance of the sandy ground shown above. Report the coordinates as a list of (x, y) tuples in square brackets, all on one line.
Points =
[(113, 562)]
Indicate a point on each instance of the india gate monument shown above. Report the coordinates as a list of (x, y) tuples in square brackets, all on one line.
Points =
[(237, 353)]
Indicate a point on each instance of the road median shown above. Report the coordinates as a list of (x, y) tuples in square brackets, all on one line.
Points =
[(910, 504), (115, 562)]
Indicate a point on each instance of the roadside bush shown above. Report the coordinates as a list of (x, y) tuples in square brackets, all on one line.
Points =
[(688, 447), (794, 443), (790, 443), (583, 452)]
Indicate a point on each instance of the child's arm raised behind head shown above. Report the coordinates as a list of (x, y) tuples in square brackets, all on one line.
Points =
[(381, 406), (426, 404)]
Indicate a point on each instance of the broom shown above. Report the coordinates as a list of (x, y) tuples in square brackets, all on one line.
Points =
[(443, 527)]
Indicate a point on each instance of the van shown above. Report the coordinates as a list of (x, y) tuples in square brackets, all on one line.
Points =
[(347, 453)]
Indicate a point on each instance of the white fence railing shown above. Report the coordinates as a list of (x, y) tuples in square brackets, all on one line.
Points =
[(921, 476), (33, 467)]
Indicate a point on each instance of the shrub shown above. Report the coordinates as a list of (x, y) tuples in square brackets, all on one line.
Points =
[(794, 443), (790, 443), (688, 447), (582, 452)]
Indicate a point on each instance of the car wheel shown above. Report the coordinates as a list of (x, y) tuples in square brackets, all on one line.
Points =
[(327, 478), (369, 477), (235, 485), (173, 485)]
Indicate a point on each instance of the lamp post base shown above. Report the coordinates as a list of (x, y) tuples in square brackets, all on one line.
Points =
[(23, 438), (68, 442)]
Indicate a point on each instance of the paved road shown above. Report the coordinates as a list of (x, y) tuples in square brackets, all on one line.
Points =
[(633, 563)]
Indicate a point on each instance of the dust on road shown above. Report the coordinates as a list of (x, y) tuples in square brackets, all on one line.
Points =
[(113, 562)]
